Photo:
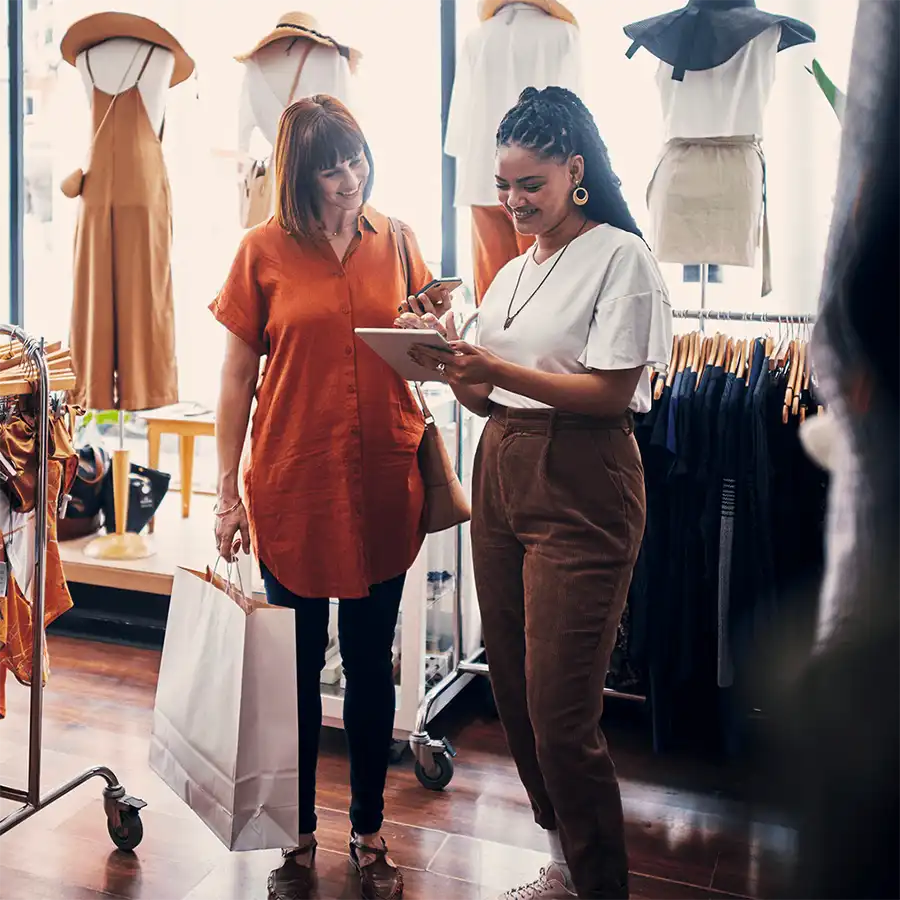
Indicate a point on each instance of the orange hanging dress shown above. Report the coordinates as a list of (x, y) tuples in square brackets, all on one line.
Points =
[(18, 620), (123, 319)]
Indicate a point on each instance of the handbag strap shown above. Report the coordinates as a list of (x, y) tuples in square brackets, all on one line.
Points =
[(403, 253), (127, 72), (304, 53)]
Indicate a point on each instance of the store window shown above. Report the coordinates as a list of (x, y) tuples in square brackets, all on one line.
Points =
[(802, 143), (5, 310), (396, 98)]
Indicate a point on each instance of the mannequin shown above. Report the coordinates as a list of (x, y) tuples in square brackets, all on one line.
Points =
[(268, 77), (715, 76), (518, 45), (292, 61), (122, 330), (111, 62)]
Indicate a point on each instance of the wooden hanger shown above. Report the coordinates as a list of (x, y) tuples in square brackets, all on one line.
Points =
[(687, 351), (801, 378), (662, 383), (793, 359), (741, 354), (18, 376), (698, 346)]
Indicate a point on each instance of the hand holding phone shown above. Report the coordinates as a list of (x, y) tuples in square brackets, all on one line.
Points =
[(435, 298)]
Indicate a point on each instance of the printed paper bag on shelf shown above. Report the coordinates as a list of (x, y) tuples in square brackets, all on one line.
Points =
[(225, 721)]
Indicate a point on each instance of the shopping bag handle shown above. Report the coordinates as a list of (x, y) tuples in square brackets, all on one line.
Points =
[(242, 600)]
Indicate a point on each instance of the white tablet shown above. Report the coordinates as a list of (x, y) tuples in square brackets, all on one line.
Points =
[(393, 346)]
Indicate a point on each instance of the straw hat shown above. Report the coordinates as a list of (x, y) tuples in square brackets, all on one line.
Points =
[(489, 8), (93, 30), (302, 25)]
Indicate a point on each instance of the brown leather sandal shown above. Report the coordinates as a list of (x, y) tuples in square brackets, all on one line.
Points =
[(379, 879), (293, 881)]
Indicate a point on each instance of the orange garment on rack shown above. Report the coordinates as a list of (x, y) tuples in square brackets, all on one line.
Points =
[(123, 318), (334, 491), (15, 653), (495, 242)]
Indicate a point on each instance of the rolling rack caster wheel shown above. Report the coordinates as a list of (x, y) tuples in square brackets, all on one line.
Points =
[(440, 773), (123, 818)]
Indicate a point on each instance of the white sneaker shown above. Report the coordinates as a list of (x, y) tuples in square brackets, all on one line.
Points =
[(551, 884)]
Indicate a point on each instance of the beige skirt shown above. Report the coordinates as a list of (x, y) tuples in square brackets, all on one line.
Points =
[(707, 203)]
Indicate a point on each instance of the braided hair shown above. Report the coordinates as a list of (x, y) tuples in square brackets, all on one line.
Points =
[(554, 124)]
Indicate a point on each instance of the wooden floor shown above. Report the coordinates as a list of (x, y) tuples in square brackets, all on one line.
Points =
[(473, 841)]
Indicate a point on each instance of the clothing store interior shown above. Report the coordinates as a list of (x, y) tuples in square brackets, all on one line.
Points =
[(289, 290)]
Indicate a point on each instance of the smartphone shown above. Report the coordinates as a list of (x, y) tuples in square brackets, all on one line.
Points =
[(451, 284)]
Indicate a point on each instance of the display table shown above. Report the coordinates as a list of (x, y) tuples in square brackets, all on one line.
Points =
[(188, 425)]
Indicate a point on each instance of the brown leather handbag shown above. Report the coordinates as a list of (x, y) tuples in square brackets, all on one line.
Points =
[(445, 500)]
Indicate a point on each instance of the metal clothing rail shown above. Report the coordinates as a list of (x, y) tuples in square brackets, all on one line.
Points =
[(719, 316), (122, 811), (434, 757)]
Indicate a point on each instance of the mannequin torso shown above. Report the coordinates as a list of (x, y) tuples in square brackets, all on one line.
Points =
[(729, 99), (268, 77), (518, 47), (111, 60)]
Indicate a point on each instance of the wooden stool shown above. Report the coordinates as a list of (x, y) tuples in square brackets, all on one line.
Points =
[(160, 422)]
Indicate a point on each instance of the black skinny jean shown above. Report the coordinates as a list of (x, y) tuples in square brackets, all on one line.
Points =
[(366, 632)]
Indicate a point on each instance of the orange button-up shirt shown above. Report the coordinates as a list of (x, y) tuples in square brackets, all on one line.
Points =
[(334, 493)]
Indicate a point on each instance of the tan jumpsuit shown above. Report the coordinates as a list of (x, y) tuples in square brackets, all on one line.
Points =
[(123, 329)]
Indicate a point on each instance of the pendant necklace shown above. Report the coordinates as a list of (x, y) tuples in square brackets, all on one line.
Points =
[(512, 316)]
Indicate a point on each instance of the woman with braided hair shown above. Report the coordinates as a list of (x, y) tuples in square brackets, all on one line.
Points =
[(566, 333)]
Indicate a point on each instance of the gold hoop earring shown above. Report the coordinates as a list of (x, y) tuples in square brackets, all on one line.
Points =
[(580, 196)]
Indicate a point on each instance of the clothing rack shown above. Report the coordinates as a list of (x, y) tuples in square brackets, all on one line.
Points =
[(122, 812), (714, 315)]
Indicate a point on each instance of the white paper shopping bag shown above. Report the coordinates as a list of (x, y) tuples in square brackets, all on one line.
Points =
[(225, 721)]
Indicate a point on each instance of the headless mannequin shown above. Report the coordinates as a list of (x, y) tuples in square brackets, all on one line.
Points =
[(109, 63), (268, 77)]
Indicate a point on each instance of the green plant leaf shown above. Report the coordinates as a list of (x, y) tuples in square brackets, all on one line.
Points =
[(835, 96)]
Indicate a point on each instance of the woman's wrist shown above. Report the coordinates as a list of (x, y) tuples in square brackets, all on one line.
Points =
[(499, 370), (228, 494)]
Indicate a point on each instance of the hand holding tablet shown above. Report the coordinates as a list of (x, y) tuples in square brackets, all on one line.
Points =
[(394, 344)]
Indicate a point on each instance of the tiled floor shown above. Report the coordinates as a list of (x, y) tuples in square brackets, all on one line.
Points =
[(472, 841)]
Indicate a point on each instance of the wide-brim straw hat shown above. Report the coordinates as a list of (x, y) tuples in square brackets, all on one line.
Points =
[(487, 9), (302, 25), (93, 30)]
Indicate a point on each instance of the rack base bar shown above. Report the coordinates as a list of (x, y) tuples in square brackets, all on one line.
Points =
[(621, 695), (475, 668), (25, 812)]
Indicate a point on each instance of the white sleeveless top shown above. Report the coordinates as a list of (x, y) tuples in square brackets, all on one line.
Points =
[(267, 85)]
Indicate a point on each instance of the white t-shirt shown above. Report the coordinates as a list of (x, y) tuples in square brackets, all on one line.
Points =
[(519, 47), (604, 307), (724, 101)]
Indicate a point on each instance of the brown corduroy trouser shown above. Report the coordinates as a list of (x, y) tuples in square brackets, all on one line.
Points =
[(558, 516)]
